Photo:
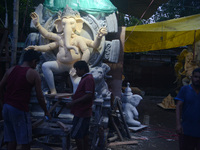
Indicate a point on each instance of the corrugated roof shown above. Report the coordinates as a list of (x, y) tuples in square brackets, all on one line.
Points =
[(137, 7)]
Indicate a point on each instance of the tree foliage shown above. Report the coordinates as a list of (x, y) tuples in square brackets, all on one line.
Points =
[(25, 8), (176, 9), (127, 20)]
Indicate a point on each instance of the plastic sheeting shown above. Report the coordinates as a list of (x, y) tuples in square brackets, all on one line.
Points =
[(163, 35), (90, 6)]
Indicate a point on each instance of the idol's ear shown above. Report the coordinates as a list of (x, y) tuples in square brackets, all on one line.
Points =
[(79, 24), (58, 25)]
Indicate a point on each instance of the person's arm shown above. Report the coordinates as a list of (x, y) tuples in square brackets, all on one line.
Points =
[(179, 105), (3, 84), (34, 77), (79, 100)]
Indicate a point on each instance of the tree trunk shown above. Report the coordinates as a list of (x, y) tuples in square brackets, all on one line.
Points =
[(6, 18), (15, 31)]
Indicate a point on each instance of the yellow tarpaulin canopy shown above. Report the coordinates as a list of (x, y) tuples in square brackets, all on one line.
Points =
[(163, 35)]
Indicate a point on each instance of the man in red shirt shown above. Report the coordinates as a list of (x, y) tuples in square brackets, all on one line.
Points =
[(15, 92), (81, 105)]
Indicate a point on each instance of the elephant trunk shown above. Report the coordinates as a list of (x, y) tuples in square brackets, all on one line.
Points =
[(67, 38)]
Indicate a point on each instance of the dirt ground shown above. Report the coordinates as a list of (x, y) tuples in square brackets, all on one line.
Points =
[(160, 134)]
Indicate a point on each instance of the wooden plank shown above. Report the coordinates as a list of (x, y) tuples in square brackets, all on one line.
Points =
[(122, 117), (63, 95), (116, 128), (139, 138), (55, 105), (43, 146), (63, 126), (111, 139), (123, 143), (48, 131), (59, 95), (37, 123), (58, 113)]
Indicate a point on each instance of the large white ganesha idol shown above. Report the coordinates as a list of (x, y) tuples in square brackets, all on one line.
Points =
[(71, 46)]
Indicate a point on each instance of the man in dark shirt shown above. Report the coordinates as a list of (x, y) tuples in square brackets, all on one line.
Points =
[(188, 114), (15, 92), (81, 105)]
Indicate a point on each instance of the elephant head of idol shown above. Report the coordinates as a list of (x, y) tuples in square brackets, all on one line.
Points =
[(69, 22)]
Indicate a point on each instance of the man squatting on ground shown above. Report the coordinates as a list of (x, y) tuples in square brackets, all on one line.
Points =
[(16, 87), (188, 114), (81, 105)]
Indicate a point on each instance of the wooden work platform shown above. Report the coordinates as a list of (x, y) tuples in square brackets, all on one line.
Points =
[(56, 102), (52, 129), (49, 129), (42, 129)]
